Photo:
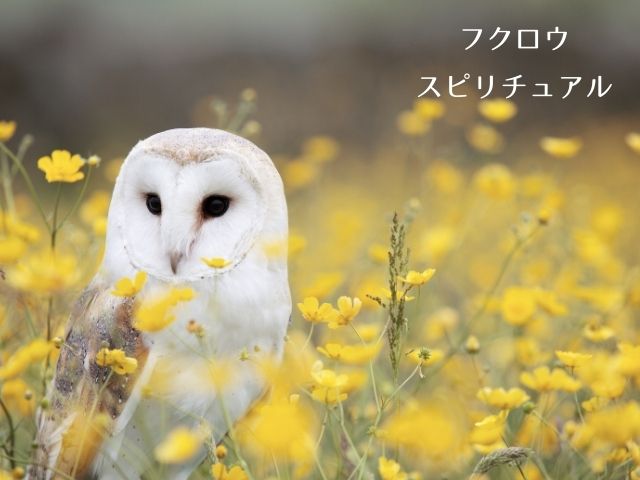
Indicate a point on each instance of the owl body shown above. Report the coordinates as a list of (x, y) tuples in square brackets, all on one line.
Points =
[(182, 196)]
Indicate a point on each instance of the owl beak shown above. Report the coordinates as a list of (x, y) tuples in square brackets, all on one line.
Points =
[(174, 260)]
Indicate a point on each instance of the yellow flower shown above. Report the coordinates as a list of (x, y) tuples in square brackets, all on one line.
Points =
[(11, 249), (549, 302), (429, 108), (597, 333), (390, 470), (61, 166), (219, 472), (179, 446), (328, 386), (561, 147), (472, 344), (412, 124), (33, 352), (280, 428), (444, 176), (95, 206), (518, 305), (320, 149), (155, 314), (216, 262), (313, 312), (17, 395), (633, 141), (497, 110), (594, 404), (44, 272), (495, 181), (117, 360), (351, 354), (299, 173), (501, 398), (348, 308), (487, 434), (125, 287), (485, 138), (543, 380), (424, 356), (7, 129), (379, 253), (573, 359), (418, 278)]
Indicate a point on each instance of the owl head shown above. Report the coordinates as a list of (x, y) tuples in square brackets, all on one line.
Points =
[(187, 194)]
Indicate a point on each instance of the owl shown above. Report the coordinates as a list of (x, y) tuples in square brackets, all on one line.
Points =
[(182, 196)]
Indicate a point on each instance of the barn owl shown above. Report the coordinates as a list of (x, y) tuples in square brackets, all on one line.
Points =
[(181, 196)]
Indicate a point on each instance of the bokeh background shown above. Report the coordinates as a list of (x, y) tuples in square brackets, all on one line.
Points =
[(97, 76)]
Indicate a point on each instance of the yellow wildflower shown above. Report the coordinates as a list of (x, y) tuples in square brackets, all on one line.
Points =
[(125, 287), (117, 360), (17, 395), (313, 312), (7, 129), (498, 110), (487, 434), (518, 305), (33, 352), (155, 314), (219, 471), (485, 138), (44, 272), (281, 429), (561, 147), (11, 249), (61, 166), (544, 380), (412, 124), (348, 308), (216, 262), (573, 359), (444, 177), (429, 108), (549, 302), (633, 141), (597, 333), (472, 344), (320, 149), (501, 398), (495, 181), (418, 278), (299, 173), (328, 385), (179, 446), (425, 356), (594, 404), (351, 354), (379, 253), (390, 469)]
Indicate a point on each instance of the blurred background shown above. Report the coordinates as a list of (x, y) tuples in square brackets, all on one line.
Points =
[(94, 77)]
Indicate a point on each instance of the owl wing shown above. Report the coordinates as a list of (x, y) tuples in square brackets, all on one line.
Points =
[(85, 399)]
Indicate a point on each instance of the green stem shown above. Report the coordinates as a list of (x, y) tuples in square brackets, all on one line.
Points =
[(12, 434), (78, 200), (32, 191), (54, 220)]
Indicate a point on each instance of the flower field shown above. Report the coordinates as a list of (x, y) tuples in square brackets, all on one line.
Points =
[(466, 303)]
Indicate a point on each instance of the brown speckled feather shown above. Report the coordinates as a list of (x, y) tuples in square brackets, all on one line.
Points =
[(85, 400)]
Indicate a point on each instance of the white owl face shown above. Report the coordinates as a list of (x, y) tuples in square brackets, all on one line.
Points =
[(173, 210)]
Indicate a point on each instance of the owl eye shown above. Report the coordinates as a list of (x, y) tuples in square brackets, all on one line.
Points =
[(215, 206), (154, 205)]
